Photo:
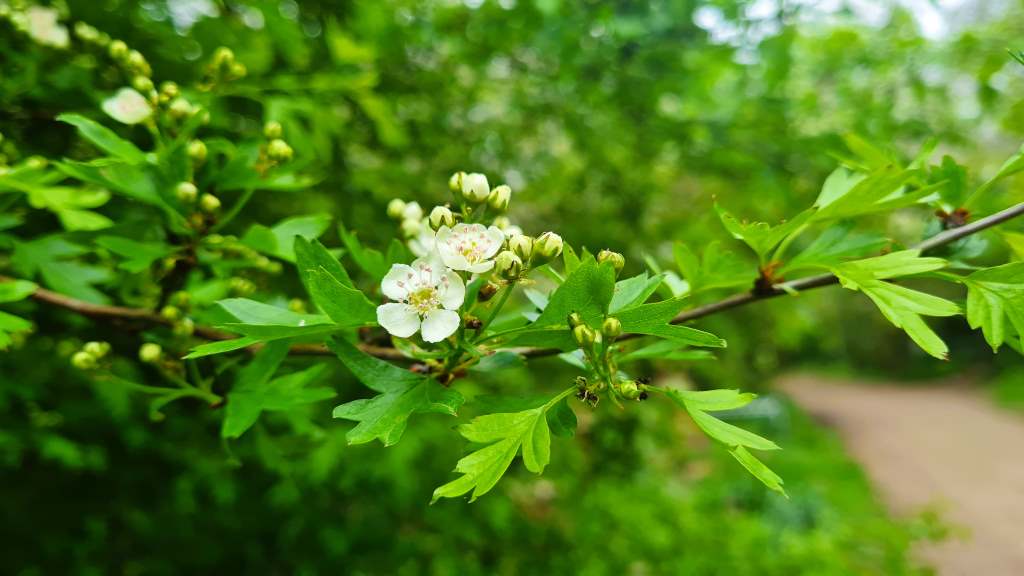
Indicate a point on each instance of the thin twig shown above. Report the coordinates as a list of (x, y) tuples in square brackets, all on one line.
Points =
[(208, 333)]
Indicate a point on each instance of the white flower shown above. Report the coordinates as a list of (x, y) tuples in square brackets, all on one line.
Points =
[(469, 247), (422, 244), (427, 295), (41, 24), (127, 106)]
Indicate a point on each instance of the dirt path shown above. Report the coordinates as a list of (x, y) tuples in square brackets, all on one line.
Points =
[(944, 445)]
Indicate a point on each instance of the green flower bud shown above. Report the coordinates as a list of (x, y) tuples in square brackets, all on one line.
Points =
[(628, 389), (475, 188), (184, 327), (279, 151), (272, 130), (508, 265), (547, 248), (575, 320), (197, 151), (297, 305), (36, 163), (238, 70), (499, 198), (441, 216), (143, 84), (395, 208), (83, 360), (455, 182), (118, 50), (241, 286), (86, 33), (412, 211), (209, 203), (150, 352), (169, 91), (584, 335), (180, 109), (522, 246), (611, 328), (410, 228), (223, 58), (181, 298), (186, 192), (137, 62), (171, 313), (502, 222), (96, 349), (617, 260)]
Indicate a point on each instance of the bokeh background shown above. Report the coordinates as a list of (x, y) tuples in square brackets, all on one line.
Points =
[(617, 124)]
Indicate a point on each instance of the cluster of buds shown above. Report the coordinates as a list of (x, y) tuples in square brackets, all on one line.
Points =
[(617, 261), (474, 190), (175, 314), (222, 68), (88, 358), (91, 36), (276, 151), (131, 61)]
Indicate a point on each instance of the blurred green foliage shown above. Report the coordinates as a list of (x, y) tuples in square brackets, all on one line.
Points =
[(616, 123)]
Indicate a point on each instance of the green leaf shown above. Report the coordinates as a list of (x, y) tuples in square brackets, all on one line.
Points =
[(634, 291), (716, 269), (506, 434), (757, 468), (665, 350), (211, 348), (267, 322), (995, 295), (243, 401), (139, 255), (310, 256), (104, 138), (11, 324), (760, 236), (371, 261), (279, 240), (653, 319), (346, 305), (698, 404), (587, 291), (402, 394), (15, 290), (900, 305), (1013, 165), (834, 245), (846, 195)]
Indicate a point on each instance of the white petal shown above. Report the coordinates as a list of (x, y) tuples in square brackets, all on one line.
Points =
[(440, 324), (480, 268), (453, 292), (398, 319), (497, 237), (395, 284), (429, 269)]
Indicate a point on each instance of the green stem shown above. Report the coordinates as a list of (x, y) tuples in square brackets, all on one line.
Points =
[(230, 215), (781, 250), (497, 308)]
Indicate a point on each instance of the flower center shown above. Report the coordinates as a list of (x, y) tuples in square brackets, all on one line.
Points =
[(424, 299), (472, 246)]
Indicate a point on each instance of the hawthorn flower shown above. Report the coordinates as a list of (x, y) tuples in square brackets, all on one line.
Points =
[(426, 295), (469, 247), (475, 188), (127, 107)]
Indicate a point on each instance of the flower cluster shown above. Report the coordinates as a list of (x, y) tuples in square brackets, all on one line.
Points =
[(454, 244)]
